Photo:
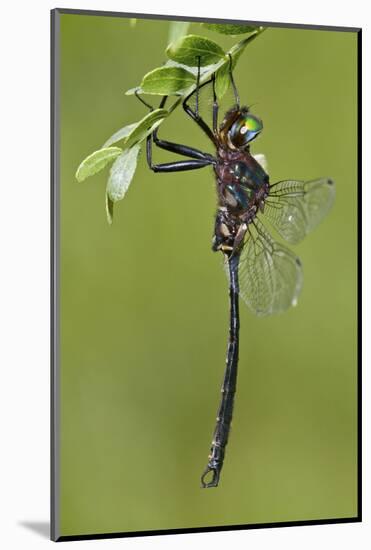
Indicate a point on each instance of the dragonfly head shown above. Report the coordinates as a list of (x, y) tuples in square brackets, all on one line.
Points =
[(240, 127)]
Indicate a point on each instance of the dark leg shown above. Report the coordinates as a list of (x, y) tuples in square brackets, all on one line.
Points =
[(194, 114), (236, 96), (176, 147), (215, 108), (178, 166), (144, 102), (182, 149), (198, 85), (224, 416)]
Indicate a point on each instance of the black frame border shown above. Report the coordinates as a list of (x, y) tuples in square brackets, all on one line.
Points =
[(54, 281)]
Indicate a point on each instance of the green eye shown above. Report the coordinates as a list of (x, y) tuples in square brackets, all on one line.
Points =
[(246, 128)]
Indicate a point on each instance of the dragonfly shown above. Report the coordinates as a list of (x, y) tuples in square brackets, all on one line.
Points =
[(265, 274)]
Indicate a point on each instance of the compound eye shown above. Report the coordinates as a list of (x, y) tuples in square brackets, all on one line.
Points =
[(245, 129)]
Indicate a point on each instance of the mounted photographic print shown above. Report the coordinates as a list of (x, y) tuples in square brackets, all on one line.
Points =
[(205, 187)]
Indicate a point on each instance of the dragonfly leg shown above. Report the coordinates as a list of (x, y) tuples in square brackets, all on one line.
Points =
[(181, 149), (198, 84), (215, 107), (236, 95), (144, 102), (195, 116), (178, 166), (184, 150)]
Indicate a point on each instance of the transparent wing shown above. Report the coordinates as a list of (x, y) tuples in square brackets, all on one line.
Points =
[(270, 275), (262, 160), (296, 207)]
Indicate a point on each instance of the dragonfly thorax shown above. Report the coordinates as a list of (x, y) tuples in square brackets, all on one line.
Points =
[(242, 183)]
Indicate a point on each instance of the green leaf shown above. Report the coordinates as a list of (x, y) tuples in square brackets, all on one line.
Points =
[(167, 80), (145, 126), (187, 50), (222, 80), (96, 162), (121, 174), (229, 28), (109, 209), (192, 70), (120, 134), (132, 91), (223, 64), (208, 70), (177, 30)]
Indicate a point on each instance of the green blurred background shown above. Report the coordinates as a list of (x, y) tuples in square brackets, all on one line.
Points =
[(144, 307)]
